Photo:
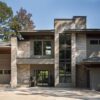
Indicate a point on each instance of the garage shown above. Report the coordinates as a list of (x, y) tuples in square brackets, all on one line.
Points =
[(5, 63)]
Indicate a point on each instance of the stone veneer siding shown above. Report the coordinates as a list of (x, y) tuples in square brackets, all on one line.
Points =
[(23, 74), (13, 62), (23, 49), (62, 25)]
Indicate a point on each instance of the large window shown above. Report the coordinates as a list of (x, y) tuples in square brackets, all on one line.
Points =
[(37, 48), (42, 48), (65, 58)]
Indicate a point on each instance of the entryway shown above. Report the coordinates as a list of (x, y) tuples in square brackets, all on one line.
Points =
[(42, 75)]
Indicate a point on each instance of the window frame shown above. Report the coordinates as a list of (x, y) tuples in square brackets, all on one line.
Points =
[(42, 55)]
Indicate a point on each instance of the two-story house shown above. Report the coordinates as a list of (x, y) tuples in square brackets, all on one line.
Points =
[(67, 56)]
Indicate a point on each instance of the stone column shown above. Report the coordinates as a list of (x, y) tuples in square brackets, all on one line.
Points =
[(13, 62), (56, 67), (73, 59)]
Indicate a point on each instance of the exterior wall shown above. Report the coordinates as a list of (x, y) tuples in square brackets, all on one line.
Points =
[(13, 62), (23, 74), (81, 47), (81, 76), (93, 50), (25, 71), (5, 64), (95, 78), (35, 61), (23, 49), (61, 26)]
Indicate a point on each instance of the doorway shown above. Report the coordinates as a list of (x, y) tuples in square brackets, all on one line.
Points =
[(42, 78)]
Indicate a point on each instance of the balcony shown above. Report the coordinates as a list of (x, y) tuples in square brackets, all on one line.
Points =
[(35, 60)]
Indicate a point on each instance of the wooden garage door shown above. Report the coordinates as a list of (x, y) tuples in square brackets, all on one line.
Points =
[(5, 68)]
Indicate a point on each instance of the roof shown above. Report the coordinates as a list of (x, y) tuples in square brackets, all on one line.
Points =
[(38, 32), (5, 44), (93, 60), (51, 32), (43, 30), (83, 30)]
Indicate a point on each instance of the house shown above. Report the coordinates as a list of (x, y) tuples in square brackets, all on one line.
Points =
[(67, 56)]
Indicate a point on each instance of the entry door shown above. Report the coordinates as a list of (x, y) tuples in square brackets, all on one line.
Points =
[(42, 77)]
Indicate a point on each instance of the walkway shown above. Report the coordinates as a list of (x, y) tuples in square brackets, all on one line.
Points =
[(41, 93)]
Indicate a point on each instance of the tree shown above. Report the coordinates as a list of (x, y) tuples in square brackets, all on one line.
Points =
[(6, 14), (22, 21)]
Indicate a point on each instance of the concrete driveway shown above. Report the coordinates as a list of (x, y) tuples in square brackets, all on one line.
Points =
[(43, 93)]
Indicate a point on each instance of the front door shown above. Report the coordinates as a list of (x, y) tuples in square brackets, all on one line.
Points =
[(42, 77)]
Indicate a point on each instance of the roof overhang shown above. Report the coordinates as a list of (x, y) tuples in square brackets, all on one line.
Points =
[(87, 31), (37, 32), (91, 62)]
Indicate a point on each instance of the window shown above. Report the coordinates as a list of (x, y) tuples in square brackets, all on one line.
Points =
[(65, 58), (64, 73), (1, 71), (37, 47), (47, 48), (42, 48), (94, 42), (7, 71)]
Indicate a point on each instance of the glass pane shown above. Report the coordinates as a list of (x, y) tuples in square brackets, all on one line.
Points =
[(37, 47), (65, 58), (94, 41), (68, 54), (47, 48), (1, 71), (68, 68)]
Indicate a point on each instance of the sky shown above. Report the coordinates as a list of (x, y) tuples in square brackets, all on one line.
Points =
[(45, 11)]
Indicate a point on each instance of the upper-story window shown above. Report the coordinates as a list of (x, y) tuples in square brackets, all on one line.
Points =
[(37, 47), (95, 42), (42, 48)]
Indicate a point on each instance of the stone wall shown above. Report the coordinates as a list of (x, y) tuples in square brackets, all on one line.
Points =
[(23, 49), (81, 76), (23, 75), (80, 47), (78, 50)]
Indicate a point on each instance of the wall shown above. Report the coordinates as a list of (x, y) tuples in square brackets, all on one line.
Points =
[(81, 76), (81, 47), (23, 75), (78, 43), (93, 50), (95, 78), (23, 49)]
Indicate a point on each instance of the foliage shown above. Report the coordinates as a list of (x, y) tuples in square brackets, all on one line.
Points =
[(6, 14), (10, 24), (22, 21)]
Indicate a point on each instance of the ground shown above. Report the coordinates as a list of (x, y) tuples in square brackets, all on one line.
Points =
[(45, 93)]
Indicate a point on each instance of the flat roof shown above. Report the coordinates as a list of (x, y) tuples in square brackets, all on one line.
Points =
[(5, 44), (51, 32)]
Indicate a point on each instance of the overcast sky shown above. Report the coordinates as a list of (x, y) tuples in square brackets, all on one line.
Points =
[(45, 11)]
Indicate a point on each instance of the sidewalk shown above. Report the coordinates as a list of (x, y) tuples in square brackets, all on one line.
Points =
[(43, 93)]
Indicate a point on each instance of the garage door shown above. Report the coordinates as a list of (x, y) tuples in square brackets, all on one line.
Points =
[(5, 68)]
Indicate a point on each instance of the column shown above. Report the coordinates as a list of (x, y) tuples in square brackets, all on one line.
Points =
[(73, 59), (13, 62), (56, 52)]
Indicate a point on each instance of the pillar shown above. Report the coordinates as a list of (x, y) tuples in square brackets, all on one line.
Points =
[(56, 67), (73, 59), (13, 62)]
